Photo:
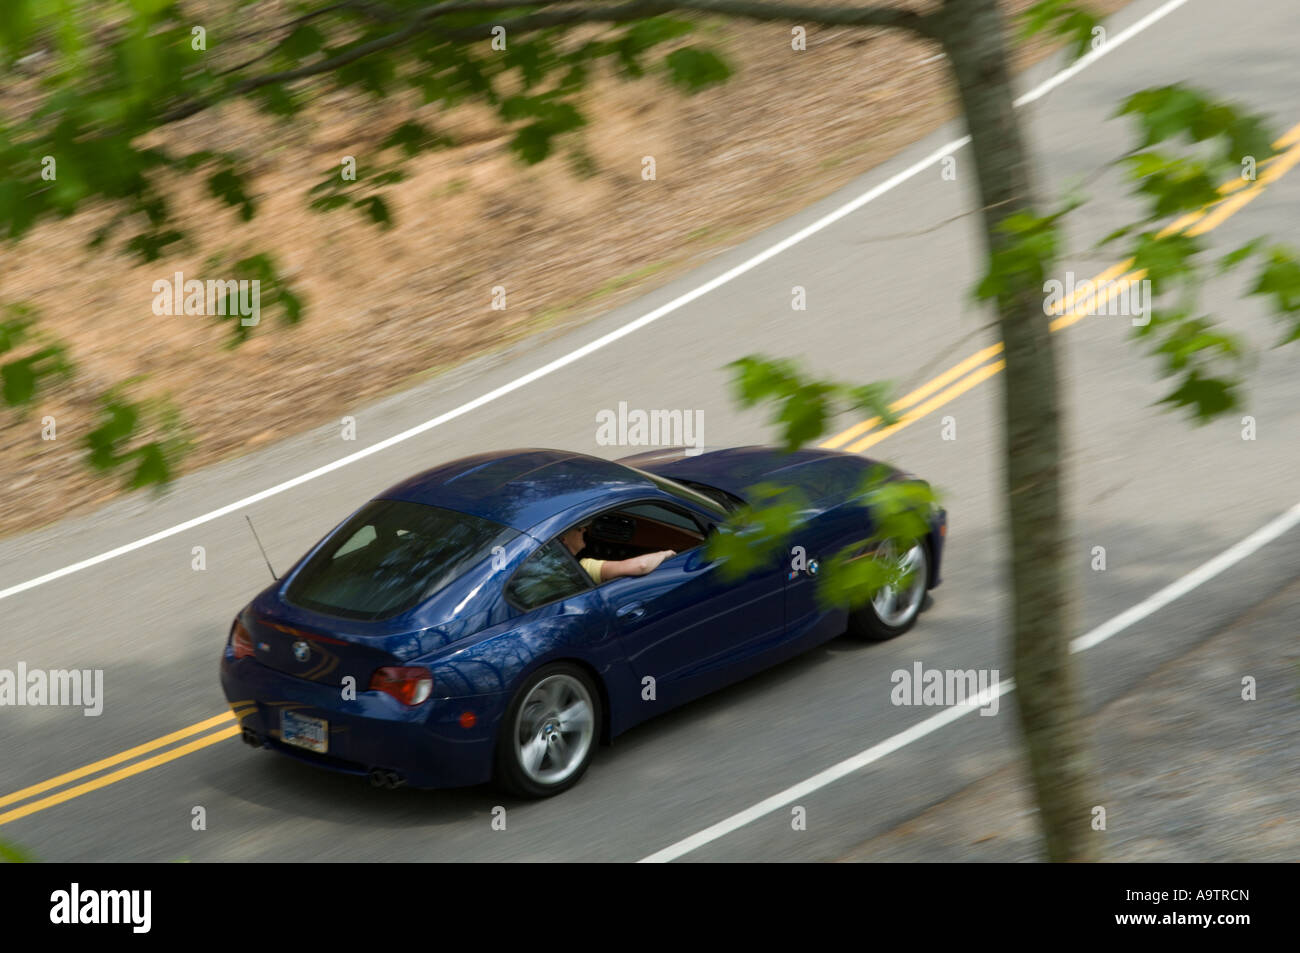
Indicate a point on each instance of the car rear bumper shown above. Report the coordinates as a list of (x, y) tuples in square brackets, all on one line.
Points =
[(432, 745)]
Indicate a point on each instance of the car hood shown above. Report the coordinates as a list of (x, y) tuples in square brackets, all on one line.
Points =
[(826, 477)]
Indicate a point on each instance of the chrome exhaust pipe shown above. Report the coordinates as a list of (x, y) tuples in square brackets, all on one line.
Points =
[(383, 778)]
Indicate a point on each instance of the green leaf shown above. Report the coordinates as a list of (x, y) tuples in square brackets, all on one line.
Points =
[(413, 138), (302, 42), (119, 420), (1117, 234), (694, 69), (532, 143), (1167, 260), (1291, 336), (1019, 261), (1280, 278), (228, 186), (804, 414), (372, 74), (899, 510), (753, 534), (1238, 255), (1164, 112), (469, 79), (13, 854), (14, 329), (1193, 340), (150, 246), (522, 107), (19, 382), (574, 79), (377, 209), (655, 30), (259, 267), (875, 398), (290, 303), (804, 406), (328, 203), (533, 58), (564, 117), (629, 58), (1176, 185), (16, 26), (1180, 112), (1206, 397), (20, 378), (151, 467), (1063, 19), (150, 8), (1248, 136), (758, 379), (277, 100)]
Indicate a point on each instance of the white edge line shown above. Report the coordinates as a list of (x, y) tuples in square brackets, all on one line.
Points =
[(833, 773), (1180, 587), (829, 219), (1185, 584), (1083, 62), (516, 384)]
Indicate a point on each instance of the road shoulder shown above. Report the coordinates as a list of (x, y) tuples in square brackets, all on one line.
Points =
[(1187, 770)]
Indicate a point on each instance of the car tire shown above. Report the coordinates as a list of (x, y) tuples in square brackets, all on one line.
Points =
[(885, 616), (549, 732)]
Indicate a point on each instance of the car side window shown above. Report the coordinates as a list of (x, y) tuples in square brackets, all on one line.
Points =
[(664, 514), (547, 575), (654, 526)]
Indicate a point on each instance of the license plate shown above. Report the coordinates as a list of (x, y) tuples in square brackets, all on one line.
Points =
[(303, 731)]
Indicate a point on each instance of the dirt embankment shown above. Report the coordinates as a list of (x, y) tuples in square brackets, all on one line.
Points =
[(789, 128)]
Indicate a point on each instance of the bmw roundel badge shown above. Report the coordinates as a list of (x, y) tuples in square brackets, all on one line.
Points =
[(301, 650)]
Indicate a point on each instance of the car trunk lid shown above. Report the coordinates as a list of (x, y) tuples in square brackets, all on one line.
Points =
[(307, 652)]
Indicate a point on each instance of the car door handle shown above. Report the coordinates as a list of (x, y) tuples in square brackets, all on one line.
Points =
[(633, 610)]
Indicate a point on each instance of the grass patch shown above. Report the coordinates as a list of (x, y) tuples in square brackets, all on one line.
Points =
[(622, 281), (454, 187)]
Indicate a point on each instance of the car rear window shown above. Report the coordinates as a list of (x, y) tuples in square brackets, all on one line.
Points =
[(391, 556)]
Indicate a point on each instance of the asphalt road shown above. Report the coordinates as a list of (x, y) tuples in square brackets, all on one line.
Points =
[(888, 297)]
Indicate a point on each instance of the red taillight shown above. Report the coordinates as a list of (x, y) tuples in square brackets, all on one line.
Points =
[(241, 641), (410, 684)]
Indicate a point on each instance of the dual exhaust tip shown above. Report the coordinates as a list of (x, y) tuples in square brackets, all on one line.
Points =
[(383, 778), (379, 777)]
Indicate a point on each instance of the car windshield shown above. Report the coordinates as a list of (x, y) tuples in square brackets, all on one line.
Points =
[(391, 556)]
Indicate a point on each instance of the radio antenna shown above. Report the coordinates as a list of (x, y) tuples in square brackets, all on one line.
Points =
[(261, 547)]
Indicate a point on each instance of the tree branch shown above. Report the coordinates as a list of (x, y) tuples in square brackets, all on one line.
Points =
[(424, 21), (887, 17)]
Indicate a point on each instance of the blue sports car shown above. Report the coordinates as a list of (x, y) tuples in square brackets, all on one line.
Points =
[(495, 617)]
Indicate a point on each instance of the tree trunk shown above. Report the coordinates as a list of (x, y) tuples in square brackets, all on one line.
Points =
[(1047, 692)]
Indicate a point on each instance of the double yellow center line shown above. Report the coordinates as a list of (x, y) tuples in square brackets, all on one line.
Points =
[(1235, 194), (911, 407), (114, 776)]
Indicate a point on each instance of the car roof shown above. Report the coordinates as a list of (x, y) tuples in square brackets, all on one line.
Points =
[(518, 488)]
